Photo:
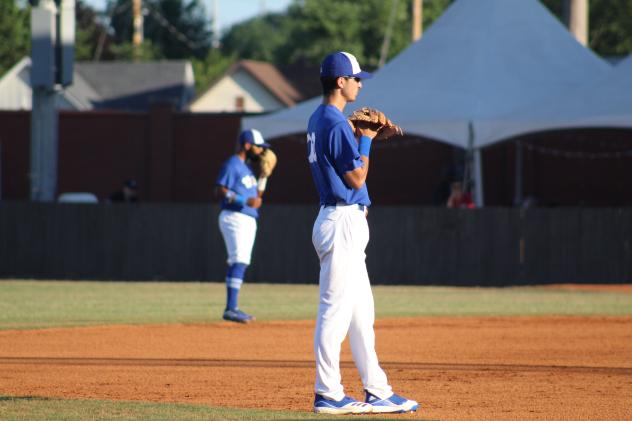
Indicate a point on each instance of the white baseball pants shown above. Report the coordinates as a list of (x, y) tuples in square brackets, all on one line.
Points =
[(239, 231), (340, 236)]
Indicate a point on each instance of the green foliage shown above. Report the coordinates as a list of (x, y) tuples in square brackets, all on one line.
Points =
[(311, 29), (432, 10), (209, 69), (91, 38), (610, 30), (609, 26), (127, 51), (257, 39), (15, 34), (177, 28)]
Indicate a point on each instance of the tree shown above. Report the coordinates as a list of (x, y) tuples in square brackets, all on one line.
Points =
[(176, 28), (210, 69), (126, 51), (257, 39), (15, 34), (312, 28), (609, 26), (92, 41), (309, 30)]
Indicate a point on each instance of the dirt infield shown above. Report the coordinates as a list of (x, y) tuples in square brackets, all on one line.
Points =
[(536, 368)]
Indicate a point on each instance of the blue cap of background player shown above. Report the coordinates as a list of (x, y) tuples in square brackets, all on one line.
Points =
[(342, 64), (253, 137)]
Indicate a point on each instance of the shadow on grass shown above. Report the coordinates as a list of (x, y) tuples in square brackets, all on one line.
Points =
[(22, 398), (371, 417)]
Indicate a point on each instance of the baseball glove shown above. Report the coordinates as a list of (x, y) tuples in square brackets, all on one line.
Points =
[(267, 162), (374, 119)]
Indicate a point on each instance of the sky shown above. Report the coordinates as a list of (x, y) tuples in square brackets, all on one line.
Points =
[(229, 11)]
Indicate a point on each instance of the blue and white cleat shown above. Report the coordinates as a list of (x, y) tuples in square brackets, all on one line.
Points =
[(245, 315), (394, 404), (346, 405), (236, 315)]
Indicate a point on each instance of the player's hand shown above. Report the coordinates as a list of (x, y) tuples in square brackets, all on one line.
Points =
[(254, 202), (367, 130), (373, 123)]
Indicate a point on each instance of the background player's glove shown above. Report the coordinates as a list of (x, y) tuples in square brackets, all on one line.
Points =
[(376, 120), (267, 163)]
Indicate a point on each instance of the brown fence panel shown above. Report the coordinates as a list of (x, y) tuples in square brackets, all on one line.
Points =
[(15, 150), (202, 142), (99, 150), (174, 157)]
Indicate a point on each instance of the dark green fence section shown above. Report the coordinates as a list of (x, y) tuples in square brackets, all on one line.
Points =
[(409, 245)]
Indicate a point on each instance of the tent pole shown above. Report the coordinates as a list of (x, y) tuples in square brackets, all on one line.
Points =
[(478, 179), (475, 155)]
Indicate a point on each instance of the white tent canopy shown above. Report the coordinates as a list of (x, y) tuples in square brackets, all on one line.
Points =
[(479, 64), (605, 103), (479, 61)]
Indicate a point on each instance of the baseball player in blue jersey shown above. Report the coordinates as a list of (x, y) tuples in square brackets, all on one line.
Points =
[(241, 195), (339, 162)]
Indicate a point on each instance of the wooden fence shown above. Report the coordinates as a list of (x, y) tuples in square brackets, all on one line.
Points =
[(409, 245)]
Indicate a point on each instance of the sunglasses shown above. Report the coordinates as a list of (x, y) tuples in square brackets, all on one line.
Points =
[(357, 79)]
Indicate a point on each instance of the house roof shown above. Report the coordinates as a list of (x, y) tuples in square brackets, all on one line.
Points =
[(15, 90), (113, 79), (135, 85), (270, 77), (112, 84)]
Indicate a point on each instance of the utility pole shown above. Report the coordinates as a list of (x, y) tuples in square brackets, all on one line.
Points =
[(137, 38), (576, 12), (417, 27), (52, 62)]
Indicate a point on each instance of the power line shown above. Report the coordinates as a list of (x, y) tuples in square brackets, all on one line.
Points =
[(162, 21), (115, 11)]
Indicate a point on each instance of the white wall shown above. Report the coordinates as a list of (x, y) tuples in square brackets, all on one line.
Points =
[(15, 92), (222, 96)]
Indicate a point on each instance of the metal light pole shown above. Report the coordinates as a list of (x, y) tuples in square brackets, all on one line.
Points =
[(52, 58)]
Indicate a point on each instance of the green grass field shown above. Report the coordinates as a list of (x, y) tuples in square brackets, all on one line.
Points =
[(47, 304), (42, 304)]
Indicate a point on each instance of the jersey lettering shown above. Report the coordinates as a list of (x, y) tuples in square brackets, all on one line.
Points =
[(249, 181), (311, 144)]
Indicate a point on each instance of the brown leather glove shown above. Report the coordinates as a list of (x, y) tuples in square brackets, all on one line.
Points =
[(375, 119)]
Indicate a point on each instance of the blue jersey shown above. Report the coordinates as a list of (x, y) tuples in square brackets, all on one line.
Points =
[(332, 151), (236, 176)]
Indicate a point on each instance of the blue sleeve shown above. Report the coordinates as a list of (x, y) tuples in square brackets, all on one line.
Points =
[(344, 149), (226, 177)]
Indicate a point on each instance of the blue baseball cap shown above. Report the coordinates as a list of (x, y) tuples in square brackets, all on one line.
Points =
[(342, 64), (253, 137)]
